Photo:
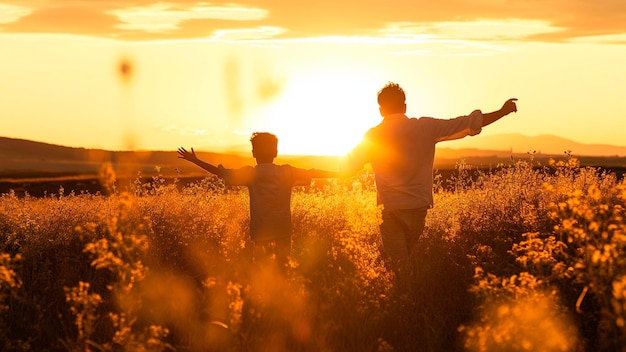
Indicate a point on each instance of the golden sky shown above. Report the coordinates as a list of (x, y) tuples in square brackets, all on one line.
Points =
[(207, 74)]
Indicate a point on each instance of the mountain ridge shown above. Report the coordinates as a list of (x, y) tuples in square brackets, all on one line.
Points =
[(21, 158), (542, 144)]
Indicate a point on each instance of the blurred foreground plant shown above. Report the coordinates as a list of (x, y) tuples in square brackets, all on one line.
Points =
[(121, 251)]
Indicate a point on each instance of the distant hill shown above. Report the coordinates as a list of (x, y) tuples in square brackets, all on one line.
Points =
[(542, 144), (21, 158)]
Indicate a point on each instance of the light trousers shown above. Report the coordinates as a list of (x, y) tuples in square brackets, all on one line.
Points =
[(400, 231)]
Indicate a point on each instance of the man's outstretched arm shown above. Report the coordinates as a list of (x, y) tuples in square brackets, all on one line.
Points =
[(191, 156), (508, 107)]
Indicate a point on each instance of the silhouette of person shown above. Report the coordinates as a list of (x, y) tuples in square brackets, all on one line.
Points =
[(401, 151), (269, 186)]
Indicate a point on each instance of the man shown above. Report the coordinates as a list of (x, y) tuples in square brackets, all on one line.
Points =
[(401, 151)]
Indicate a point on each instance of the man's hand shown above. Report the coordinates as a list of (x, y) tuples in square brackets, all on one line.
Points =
[(509, 106), (189, 156)]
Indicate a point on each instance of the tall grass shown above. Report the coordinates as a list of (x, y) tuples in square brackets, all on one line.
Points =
[(520, 258)]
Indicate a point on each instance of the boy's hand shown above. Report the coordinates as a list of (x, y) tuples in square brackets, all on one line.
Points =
[(184, 154)]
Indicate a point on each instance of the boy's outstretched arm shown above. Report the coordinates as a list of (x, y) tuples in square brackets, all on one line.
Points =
[(191, 156), (315, 173), (508, 107)]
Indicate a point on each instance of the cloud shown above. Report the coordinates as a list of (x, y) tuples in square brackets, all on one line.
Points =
[(481, 29), (167, 17), (257, 33), (524, 20), (63, 19), (12, 13), (602, 39)]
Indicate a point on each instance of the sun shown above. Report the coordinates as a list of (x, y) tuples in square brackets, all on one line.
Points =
[(324, 112)]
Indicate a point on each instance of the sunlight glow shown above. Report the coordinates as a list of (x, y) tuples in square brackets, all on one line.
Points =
[(325, 112), (182, 131), (453, 48), (202, 70)]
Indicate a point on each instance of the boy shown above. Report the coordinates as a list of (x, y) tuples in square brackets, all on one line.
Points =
[(269, 186)]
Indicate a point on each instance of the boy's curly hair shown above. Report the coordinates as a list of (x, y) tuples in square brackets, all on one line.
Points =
[(264, 143)]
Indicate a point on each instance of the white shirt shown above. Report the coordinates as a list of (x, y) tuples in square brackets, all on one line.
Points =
[(401, 151)]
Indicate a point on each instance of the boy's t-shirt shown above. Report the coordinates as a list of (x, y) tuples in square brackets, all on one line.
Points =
[(269, 186)]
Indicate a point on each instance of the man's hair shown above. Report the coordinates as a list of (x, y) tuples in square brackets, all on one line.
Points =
[(392, 98), (264, 144)]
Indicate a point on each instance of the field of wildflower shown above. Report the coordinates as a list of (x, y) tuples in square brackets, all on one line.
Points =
[(522, 258)]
